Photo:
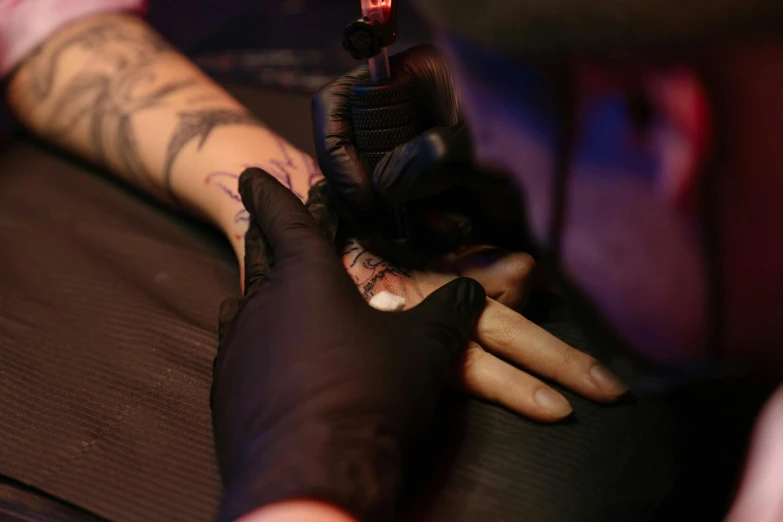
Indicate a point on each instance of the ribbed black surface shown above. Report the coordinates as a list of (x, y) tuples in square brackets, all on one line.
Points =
[(105, 365), (389, 116), (383, 140), (384, 116), (367, 95), (372, 158)]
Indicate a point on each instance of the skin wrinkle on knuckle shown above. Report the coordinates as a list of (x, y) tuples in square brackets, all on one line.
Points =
[(567, 363), (498, 334)]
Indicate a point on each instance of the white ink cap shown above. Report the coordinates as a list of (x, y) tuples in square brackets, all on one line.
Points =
[(387, 302)]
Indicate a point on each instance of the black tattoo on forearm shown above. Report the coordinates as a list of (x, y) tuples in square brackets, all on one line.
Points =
[(137, 47), (198, 125), (118, 81), (108, 105)]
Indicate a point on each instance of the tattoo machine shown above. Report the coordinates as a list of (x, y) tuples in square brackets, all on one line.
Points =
[(382, 107)]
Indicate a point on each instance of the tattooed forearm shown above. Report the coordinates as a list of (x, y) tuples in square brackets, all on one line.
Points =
[(86, 88), (107, 106), (100, 39), (224, 181), (108, 88), (197, 125)]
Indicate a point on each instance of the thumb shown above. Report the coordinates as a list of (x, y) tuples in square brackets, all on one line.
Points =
[(284, 221), (450, 313), (416, 169)]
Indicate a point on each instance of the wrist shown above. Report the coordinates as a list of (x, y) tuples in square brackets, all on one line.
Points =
[(233, 223)]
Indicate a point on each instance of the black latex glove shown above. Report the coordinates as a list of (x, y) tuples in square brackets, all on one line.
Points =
[(316, 395), (450, 202)]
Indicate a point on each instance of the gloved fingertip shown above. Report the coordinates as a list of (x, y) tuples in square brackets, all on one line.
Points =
[(282, 218), (456, 305), (245, 186), (469, 299)]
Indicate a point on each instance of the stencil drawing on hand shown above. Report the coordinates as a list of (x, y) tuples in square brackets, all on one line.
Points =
[(367, 269), (226, 182)]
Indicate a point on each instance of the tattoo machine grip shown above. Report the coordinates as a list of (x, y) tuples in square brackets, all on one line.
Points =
[(384, 116)]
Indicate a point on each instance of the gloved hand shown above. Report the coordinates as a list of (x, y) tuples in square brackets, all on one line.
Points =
[(449, 201), (502, 338), (316, 395)]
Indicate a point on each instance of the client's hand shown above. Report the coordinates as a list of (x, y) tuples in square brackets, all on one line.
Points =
[(316, 395), (501, 334)]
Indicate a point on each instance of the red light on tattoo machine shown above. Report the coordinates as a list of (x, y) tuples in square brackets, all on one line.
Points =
[(379, 12), (368, 37), (383, 109)]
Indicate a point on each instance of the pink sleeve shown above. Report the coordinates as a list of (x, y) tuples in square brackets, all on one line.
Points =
[(24, 24)]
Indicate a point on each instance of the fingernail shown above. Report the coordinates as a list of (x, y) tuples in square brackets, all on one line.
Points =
[(554, 403), (606, 380)]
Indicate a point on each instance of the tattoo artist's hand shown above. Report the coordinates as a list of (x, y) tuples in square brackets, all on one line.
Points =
[(449, 202), (316, 395)]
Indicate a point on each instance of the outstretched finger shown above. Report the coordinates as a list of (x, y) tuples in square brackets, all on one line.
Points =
[(488, 377), (504, 332)]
